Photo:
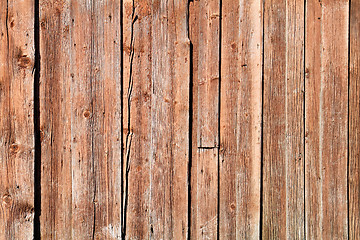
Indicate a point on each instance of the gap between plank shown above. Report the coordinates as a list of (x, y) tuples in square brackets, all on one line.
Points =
[(191, 111), (348, 124), (219, 128), (262, 122), (37, 140)]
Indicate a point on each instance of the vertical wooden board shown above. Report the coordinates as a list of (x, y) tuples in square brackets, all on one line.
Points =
[(55, 125), (240, 119), (206, 194), (283, 149), (354, 124), (80, 119), (17, 59), (169, 151), (106, 115), (204, 30), (206, 43), (326, 107), (137, 98)]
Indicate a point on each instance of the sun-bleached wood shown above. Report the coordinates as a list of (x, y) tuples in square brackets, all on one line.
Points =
[(354, 122), (156, 119), (240, 119), (283, 114), (17, 58), (80, 119), (205, 35), (326, 104)]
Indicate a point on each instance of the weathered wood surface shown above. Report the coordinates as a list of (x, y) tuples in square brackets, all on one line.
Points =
[(137, 98), (326, 104), (240, 119), (156, 119), (205, 35), (204, 119), (17, 58), (80, 112), (354, 122), (283, 114)]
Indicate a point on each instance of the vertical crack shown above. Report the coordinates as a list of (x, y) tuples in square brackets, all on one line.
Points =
[(37, 141), (190, 119), (348, 126), (7, 23), (129, 133), (92, 119)]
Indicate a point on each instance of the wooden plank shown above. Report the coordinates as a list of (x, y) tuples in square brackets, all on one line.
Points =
[(326, 119), (17, 60), (80, 105), (354, 124), (170, 120), (137, 98), (204, 28), (156, 119), (283, 149), (240, 119)]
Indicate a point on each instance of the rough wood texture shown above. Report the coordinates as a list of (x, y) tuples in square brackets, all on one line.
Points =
[(170, 120), (184, 119), (16, 119), (205, 35), (137, 98), (283, 154), (156, 119), (240, 119), (80, 108), (326, 119), (354, 124)]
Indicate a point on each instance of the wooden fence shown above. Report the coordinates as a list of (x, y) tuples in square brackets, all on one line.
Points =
[(158, 119)]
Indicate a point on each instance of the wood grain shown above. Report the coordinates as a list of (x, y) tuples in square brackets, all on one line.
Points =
[(205, 37), (156, 119), (137, 98), (354, 122), (283, 153), (17, 57), (240, 119), (200, 119), (170, 120), (326, 119), (80, 106)]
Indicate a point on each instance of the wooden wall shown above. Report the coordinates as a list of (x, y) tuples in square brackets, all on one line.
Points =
[(182, 119)]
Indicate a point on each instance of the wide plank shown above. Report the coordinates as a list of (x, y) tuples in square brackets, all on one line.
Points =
[(17, 59), (326, 104), (80, 119), (240, 119), (283, 133), (137, 98), (169, 152), (205, 38)]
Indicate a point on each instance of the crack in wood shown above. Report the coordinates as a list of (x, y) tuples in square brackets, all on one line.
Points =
[(129, 134)]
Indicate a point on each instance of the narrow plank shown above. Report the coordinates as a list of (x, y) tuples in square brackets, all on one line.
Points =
[(283, 149), (16, 119), (326, 123), (204, 29), (137, 98), (80, 105), (170, 120), (354, 124), (240, 119), (106, 116)]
